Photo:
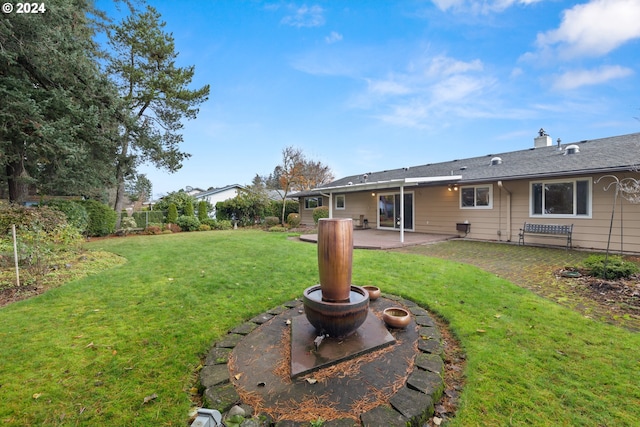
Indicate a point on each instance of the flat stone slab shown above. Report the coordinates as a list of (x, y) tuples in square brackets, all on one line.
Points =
[(430, 362), (305, 358), (413, 404)]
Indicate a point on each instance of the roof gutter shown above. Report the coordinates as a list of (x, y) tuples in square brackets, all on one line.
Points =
[(391, 183)]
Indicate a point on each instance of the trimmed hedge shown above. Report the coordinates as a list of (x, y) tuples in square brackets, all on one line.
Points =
[(102, 219)]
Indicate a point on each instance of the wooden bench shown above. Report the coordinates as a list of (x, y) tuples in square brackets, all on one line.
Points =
[(546, 230)]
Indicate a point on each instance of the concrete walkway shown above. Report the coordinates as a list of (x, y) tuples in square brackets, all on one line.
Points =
[(386, 239)]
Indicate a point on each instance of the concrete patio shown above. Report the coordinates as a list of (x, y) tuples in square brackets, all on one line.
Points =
[(387, 239)]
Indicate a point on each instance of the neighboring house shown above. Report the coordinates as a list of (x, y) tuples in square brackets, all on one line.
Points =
[(192, 191), (276, 195), (497, 193), (215, 195)]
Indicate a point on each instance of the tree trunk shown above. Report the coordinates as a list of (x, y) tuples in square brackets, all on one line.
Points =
[(18, 181), (120, 171)]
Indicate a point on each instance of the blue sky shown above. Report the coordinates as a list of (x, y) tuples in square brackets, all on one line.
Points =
[(366, 86)]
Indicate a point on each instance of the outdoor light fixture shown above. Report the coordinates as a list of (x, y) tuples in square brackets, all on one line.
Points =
[(453, 187), (373, 194)]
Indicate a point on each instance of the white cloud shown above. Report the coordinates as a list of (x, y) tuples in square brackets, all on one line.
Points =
[(305, 16), (594, 29), (387, 87), (445, 66), (479, 6), (578, 78), (333, 37), (432, 89)]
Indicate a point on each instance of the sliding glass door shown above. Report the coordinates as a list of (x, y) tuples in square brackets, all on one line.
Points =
[(389, 211)]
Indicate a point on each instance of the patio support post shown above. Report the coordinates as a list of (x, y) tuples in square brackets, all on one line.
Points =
[(330, 205), (401, 213)]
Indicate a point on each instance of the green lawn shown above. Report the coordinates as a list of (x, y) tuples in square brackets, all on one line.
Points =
[(89, 352)]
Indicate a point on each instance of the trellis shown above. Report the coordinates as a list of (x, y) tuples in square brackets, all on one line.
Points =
[(626, 188)]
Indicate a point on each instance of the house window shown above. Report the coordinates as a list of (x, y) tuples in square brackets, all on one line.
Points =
[(476, 197), (312, 202), (561, 198), (340, 201)]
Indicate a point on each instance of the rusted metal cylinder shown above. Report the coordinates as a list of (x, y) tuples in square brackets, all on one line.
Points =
[(335, 257)]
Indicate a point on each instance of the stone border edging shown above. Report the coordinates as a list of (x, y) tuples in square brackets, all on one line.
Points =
[(412, 405)]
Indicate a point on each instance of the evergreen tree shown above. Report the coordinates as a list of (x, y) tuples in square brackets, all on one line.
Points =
[(172, 214), (156, 93), (202, 210), (188, 208), (58, 112)]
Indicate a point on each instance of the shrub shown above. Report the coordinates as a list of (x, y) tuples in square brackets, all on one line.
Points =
[(202, 211), (76, 214), (293, 220), (209, 221), (188, 223), (614, 268), (128, 223), (42, 234), (270, 221), (204, 227), (153, 229), (172, 214), (275, 208), (223, 224), (188, 208), (277, 228), (102, 219), (320, 212), (172, 228)]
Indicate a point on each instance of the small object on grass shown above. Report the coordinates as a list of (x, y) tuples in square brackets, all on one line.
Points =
[(149, 398)]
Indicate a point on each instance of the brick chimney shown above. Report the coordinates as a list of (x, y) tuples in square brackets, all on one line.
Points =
[(542, 140)]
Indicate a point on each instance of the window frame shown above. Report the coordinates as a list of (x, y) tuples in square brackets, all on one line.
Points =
[(318, 202), (475, 188), (342, 197), (575, 202)]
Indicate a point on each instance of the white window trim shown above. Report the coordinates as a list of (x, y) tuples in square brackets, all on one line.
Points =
[(344, 202), (575, 198), (489, 206)]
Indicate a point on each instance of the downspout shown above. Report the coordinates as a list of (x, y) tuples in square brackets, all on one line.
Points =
[(502, 187)]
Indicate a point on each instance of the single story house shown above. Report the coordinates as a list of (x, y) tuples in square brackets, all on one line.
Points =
[(589, 184), (215, 195)]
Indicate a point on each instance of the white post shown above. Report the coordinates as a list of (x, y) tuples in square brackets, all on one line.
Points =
[(15, 254), (330, 205), (401, 213)]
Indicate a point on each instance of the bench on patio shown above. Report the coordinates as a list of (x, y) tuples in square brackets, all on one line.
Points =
[(546, 230)]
